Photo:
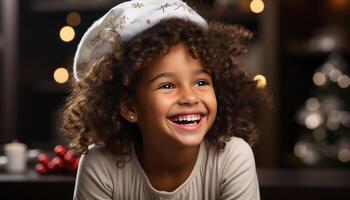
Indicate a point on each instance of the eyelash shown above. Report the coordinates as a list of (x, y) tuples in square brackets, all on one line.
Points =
[(164, 86), (203, 81)]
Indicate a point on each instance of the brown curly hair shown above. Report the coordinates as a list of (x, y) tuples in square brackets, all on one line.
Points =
[(92, 114)]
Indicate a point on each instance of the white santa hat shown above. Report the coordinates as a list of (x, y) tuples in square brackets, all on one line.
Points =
[(128, 19)]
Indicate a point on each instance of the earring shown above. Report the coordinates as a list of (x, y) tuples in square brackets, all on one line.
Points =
[(132, 117)]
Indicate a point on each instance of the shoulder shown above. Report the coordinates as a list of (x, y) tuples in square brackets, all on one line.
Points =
[(236, 156), (237, 171), (98, 158), (237, 147), (95, 174), (98, 153)]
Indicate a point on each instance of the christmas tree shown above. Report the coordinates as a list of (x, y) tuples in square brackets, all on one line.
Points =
[(325, 118)]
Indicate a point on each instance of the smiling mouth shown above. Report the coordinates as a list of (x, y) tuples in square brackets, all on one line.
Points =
[(187, 120)]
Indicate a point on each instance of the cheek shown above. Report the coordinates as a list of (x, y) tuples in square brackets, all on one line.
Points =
[(157, 104), (211, 101)]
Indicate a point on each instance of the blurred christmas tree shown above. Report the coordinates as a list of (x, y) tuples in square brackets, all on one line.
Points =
[(325, 118)]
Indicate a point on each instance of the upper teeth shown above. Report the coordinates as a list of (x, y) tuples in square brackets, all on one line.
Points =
[(187, 117)]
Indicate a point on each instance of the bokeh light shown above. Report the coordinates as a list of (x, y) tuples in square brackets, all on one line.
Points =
[(343, 81), (313, 120), (73, 19), (67, 33), (312, 104), (344, 155), (257, 6), (334, 74), (300, 149), (261, 81), (319, 78), (61, 75)]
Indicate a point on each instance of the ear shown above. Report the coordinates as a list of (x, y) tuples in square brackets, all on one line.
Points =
[(128, 110)]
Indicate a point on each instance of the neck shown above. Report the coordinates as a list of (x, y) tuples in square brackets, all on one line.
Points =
[(166, 159)]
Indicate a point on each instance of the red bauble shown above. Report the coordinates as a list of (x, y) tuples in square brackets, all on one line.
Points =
[(41, 169), (75, 165), (56, 164), (43, 159), (69, 157), (60, 151)]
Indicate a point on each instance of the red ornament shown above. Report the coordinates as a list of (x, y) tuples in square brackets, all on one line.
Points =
[(56, 164), (41, 169), (43, 159), (69, 157), (60, 151), (75, 165), (65, 161)]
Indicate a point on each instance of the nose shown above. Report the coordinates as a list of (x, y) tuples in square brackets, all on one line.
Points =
[(188, 97)]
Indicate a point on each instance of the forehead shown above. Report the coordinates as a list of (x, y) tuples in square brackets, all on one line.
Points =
[(178, 61)]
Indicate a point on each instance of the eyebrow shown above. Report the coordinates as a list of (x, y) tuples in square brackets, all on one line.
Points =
[(171, 74)]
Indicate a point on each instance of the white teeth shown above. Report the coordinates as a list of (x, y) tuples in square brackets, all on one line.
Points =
[(187, 117)]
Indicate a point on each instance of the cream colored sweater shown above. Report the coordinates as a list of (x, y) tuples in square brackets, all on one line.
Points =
[(229, 174)]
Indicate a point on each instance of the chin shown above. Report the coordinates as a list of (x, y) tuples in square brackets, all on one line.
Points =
[(190, 140)]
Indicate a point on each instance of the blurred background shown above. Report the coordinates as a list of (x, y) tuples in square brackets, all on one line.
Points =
[(300, 52)]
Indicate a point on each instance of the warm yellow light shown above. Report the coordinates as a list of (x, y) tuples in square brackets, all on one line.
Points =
[(61, 75), (67, 33), (261, 80), (257, 6), (73, 19)]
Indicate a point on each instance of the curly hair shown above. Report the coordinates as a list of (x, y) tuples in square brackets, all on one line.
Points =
[(92, 113)]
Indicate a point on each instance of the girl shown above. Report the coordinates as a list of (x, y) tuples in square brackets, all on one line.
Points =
[(159, 94)]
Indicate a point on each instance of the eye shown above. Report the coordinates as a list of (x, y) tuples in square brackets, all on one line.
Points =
[(202, 83), (167, 86)]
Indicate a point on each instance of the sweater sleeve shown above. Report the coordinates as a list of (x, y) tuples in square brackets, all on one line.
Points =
[(238, 173), (94, 178)]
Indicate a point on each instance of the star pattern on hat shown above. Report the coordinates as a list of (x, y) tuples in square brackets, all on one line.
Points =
[(122, 22), (137, 5), (184, 7), (95, 39), (111, 22), (164, 6)]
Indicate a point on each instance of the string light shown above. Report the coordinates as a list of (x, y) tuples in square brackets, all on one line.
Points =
[(319, 78), (73, 19), (312, 104), (300, 149), (333, 124), (257, 6), (67, 33), (344, 155), (261, 81), (61, 75), (334, 74), (343, 81), (313, 120)]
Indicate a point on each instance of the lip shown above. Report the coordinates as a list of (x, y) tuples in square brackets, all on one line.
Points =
[(191, 128)]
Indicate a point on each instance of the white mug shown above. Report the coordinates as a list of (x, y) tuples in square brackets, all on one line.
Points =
[(16, 154)]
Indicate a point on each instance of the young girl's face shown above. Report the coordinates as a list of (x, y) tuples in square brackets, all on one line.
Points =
[(175, 103)]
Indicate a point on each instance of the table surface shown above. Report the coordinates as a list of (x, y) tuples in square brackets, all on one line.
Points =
[(305, 178)]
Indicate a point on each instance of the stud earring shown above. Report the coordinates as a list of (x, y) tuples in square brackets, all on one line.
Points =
[(132, 117)]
